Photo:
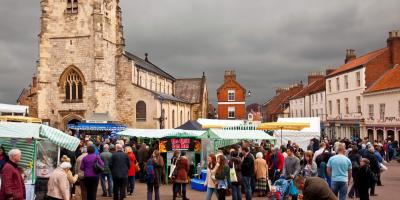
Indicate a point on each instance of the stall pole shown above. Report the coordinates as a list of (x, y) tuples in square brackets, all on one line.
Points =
[(58, 155)]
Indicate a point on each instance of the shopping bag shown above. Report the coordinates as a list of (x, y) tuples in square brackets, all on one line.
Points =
[(232, 174), (172, 170)]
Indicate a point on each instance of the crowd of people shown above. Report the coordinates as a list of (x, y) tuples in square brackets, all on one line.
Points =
[(325, 170)]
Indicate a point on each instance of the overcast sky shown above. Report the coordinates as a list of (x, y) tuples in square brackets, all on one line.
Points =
[(268, 43)]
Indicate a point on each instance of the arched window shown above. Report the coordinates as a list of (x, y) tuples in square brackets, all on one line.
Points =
[(173, 118), (141, 111), (181, 117), (188, 116), (73, 85)]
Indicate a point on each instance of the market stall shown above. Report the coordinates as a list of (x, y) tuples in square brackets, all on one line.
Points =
[(39, 145)]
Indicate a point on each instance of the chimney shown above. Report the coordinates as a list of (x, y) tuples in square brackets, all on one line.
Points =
[(393, 43), (314, 76), (350, 55), (229, 74), (34, 82)]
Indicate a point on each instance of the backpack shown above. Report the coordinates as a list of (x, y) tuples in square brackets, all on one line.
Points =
[(150, 172)]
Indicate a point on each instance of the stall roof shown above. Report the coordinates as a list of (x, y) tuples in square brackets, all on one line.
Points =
[(13, 108), (160, 133), (219, 123), (190, 125), (37, 131), (97, 127), (237, 134)]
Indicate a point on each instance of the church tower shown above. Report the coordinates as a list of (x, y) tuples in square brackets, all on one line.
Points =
[(80, 44)]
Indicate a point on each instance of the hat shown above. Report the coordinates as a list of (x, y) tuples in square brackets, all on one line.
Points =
[(65, 165)]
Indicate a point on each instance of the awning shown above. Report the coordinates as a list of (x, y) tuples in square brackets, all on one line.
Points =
[(296, 126), (97, 127), (37, 131), (160, 133), (236, 135)]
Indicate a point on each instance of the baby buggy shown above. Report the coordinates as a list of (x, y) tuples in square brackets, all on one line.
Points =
[(282, 189)]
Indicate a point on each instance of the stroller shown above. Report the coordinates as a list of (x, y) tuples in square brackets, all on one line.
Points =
[(282, 189)]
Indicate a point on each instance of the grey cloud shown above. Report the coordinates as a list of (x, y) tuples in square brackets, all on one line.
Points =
[(268, 43)]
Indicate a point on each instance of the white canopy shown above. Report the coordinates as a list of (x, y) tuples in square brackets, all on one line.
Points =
[(160, 133), (237, 134), (219, 122), (9, 108), (303, 137)]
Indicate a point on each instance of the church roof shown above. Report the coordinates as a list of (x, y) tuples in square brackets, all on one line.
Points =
[(189, 89), (169, 97), (148, 65)]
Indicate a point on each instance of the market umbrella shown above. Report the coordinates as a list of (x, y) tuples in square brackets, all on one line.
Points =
[(294, 126)]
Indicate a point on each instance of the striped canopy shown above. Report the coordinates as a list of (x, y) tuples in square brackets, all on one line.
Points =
[(37, 131)]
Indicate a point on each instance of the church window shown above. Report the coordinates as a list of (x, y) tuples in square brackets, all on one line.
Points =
[(72, 6), (173, 118), (73, 86), (181, 117), (141, 111)]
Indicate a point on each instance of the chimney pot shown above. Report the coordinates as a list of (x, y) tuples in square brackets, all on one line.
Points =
[(350, 55), (393, 42)]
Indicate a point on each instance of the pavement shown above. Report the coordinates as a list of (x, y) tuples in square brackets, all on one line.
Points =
[(390, 191)]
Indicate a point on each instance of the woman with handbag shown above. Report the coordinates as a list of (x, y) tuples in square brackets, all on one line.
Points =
[(210, 178), (221, 171), (91, 165), (235, 165)]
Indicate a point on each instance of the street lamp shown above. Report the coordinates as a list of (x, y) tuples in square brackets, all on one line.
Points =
[(162, 115)]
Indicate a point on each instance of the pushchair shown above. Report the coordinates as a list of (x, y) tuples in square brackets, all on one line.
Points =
[(282, 189)]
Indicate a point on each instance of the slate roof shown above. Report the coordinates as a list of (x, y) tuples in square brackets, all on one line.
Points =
[(389, 80), (189, 89), (169, 97), (147, 65), (190, 125), (353, 64)]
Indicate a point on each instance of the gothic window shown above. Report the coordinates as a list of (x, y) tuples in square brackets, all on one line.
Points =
[(72, 6), (73, 86), (141, 111)]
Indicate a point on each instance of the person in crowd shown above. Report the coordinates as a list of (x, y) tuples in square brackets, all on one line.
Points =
[(339, 168), (375, 169), (322, 168), (322, 148), (261, 173), (131, 172), (181, 179), (119, 166), (12, 183), (379, 156), (210, 181), (313, 188), (222, 176), (91, 179), (289, 144), (277, 162), (291, 165), (58, 185), (309, 167), (247, 171), (81, 176), (236, 163), (363, 179), (154, 172), (3, 157), (172, 173), (106, 174), (71, 178), (355, 159), (143, 156)]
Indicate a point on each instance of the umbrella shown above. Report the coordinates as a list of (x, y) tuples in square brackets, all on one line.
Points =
[(295, 126)]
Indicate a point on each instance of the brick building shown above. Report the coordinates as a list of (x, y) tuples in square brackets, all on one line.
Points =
[(278, 106), (84, 70), (231, 98), (346, 85)]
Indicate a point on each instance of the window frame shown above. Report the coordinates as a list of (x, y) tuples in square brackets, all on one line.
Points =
[(231, 110), (371, 113), (346, 82), (141, 111), (346, 103), (358, 79), (382, 111), (231, 95)]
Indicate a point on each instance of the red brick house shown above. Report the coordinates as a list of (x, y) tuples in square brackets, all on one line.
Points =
[(231, 98)]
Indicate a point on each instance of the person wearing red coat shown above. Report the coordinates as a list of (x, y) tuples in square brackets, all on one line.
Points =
[(277, 162), (131, 171), (12, 184), (182, 172)]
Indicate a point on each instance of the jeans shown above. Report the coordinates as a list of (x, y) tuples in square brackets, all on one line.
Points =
[(182, 187), (221, 193), (91, 184), (341, 188), (119, 188), (103, 184), (210, 192), (150, 188), (247, 186), (236, 192), (131, 184)]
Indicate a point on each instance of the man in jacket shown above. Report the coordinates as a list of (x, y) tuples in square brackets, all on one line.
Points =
[(276, 167), (119, 166), (313, 188), (247, 171), (12, 184), (106, 174), (374, 166)]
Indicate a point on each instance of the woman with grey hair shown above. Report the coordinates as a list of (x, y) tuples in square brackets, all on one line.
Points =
[(58, 185), (261, 173)]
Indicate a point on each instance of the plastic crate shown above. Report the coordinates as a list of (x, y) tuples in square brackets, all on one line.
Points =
[(197, 184)]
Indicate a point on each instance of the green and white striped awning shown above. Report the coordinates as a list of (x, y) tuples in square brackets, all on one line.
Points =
[(37, 131)]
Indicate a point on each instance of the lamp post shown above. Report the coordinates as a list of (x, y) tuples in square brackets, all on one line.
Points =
[(162, 115)]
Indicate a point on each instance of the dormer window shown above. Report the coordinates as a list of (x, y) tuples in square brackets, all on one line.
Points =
[(72, 6)]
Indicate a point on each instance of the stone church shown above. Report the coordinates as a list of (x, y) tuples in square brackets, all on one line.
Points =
[(83, 71)]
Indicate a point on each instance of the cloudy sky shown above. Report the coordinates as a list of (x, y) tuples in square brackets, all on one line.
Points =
[(268, 43)]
